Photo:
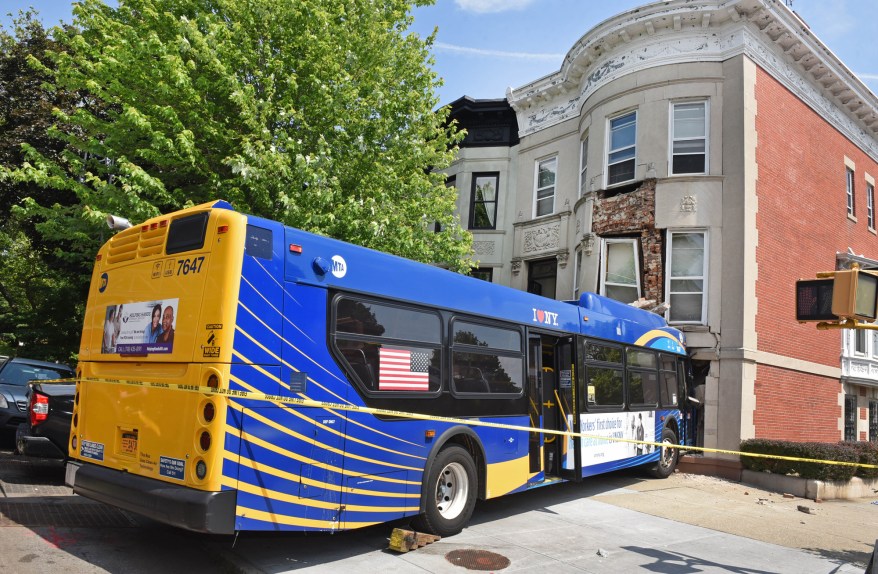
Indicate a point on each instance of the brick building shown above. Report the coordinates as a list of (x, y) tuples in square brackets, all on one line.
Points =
[(703, 155)]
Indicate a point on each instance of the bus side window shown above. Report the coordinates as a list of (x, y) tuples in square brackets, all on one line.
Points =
[(668, 380), (258, 242), (643, 384), (357, 360), (486, 359), (388, 346), (604, 377)]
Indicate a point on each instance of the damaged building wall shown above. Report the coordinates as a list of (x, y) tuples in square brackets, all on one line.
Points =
[(632, 214)]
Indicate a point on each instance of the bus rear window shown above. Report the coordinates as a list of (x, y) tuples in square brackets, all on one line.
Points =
[(187, 233)]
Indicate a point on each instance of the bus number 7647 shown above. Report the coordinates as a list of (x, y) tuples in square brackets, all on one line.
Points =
[(187, 266)]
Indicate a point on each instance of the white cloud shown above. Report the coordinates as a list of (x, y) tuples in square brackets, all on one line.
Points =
[(491, 6), (442, 47)]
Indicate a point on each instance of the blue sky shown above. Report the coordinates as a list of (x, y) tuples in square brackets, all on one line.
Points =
[(485, 46)]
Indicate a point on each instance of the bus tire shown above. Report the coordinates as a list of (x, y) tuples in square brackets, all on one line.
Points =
[(668, 457), (451, 489)]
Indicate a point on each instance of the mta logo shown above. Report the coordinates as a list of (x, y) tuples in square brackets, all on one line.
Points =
[(105, 279), (339, 266), (545, 317)]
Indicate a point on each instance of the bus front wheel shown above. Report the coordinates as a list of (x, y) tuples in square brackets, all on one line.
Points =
[(668, 456), (450, 493)]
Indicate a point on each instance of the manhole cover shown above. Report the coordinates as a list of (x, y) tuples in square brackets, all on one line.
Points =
[(477, 559)]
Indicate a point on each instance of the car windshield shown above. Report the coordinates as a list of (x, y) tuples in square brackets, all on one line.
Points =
[(20, 373)]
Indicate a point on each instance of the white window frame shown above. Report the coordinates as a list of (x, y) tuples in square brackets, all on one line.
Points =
[(583, 165), (537, 188), (850, 170), (874, 341), (859, 336), (611, 150), (870, 202), (703, 277), (672, 136), (635, 243)]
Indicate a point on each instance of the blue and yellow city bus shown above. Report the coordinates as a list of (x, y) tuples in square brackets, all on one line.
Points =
[(513, 391)]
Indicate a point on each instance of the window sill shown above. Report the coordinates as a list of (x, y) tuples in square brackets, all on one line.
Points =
[(690, 327), (693, 174), (852, 217)]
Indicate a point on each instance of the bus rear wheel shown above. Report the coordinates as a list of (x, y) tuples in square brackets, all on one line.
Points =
[(668, 456), (450, 493)]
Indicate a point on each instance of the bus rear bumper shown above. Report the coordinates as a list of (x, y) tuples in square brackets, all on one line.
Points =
[(173, 504)]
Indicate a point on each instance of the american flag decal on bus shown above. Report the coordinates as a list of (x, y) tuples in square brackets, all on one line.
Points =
[(402, 370)]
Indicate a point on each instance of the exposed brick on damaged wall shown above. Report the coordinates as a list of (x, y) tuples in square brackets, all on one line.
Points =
[(633, 214)]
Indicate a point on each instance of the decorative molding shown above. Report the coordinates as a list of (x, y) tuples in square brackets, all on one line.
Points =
[(588, 243), (516, 266), (659, 51), (765, 31), (688, 204), (483, 247), (543, 238), (562, 258), (792, 78)]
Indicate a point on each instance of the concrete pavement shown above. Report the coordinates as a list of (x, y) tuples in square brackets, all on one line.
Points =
[(617, 523), (588, 528)]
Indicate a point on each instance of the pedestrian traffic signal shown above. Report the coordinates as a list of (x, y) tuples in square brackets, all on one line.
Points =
[(814, 300), (855, 294)]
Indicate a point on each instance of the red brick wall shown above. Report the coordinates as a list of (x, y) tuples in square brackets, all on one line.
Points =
[(802, 222), (791, 405)]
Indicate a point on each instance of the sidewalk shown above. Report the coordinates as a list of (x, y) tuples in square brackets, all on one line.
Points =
[(845, 530), (615, 523)]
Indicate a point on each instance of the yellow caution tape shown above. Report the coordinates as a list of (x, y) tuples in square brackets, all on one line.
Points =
[(250, 395)]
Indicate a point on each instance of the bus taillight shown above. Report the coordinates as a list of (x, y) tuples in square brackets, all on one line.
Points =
[(204, 441), (208, 412)]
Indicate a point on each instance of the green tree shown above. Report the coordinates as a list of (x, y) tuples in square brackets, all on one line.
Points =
[(40, 306), (318, 113), (41, 299)]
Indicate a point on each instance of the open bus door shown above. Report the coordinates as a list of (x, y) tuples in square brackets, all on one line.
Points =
[(551, 388)]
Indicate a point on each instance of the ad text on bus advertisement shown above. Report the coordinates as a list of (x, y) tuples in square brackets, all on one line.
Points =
[(140, 328)]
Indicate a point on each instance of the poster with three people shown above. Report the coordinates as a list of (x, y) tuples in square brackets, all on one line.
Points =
[(140, 328)]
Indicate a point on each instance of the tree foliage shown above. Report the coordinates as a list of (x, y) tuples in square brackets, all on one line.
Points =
[(317, 113), (41, 298)]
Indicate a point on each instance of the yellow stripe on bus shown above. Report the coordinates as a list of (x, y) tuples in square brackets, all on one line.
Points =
[(332, 430), (418, 416), (289, 454), (273, 518), (295, 478), (655, 334)]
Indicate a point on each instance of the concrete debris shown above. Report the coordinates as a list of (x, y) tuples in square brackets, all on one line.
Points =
[(603, 553), (403, 540), (806, 509)]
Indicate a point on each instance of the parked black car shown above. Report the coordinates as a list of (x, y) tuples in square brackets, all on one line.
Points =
[(15, 373), (46, 434)]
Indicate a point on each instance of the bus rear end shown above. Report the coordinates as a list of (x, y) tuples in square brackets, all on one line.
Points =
[(161, 309)]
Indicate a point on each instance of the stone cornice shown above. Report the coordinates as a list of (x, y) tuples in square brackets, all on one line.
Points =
[(681, 31)]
